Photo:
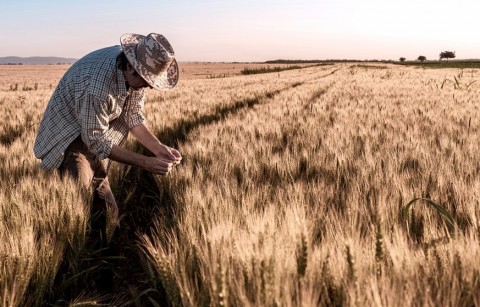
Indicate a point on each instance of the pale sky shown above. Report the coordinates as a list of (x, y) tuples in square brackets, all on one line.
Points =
[(247, 30)]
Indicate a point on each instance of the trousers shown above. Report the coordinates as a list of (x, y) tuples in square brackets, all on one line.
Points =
[(85, 167)]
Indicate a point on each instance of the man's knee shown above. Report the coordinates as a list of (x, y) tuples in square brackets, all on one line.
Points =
[(75, 164)]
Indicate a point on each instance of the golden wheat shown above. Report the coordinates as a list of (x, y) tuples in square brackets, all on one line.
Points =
[(281, 173)]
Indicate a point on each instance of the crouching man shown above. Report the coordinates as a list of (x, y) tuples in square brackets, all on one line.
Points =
[(97, 103)]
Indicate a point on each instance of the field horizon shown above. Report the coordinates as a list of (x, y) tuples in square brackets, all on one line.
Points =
[(58, 60)]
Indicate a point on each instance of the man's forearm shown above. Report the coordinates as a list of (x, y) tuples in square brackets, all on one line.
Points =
[(126, 156), (151, 164), (146, 138)]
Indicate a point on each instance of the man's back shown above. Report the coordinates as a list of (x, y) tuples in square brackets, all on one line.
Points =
[(94, 75)]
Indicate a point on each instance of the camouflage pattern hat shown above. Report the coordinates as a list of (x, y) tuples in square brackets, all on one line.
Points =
[(153, 58)]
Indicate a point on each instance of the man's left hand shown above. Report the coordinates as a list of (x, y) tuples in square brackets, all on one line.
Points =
[(169, 153)]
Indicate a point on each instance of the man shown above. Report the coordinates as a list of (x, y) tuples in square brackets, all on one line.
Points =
[(97, 103)]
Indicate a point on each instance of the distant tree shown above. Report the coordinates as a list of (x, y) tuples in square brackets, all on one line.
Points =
[(402, 59), (447, 55), (422, 58)]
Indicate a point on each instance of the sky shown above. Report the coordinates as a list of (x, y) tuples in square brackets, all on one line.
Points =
[(247, 30)]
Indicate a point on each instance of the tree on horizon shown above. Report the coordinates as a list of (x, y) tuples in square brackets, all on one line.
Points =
[(447, 55)]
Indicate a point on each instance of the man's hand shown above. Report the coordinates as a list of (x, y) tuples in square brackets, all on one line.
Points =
[(150, 141), (158, 166), (168, 153)]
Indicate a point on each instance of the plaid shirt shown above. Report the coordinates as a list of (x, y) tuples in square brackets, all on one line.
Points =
[(90, 100)]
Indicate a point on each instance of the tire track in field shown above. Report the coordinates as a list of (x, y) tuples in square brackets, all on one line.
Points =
[(178, 133), (329, 74)]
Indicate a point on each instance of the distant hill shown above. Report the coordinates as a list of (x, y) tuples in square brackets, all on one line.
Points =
[(35, 60)]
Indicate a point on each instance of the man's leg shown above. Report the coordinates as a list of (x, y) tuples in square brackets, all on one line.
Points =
[(107, 200), (84, 166), (77, 165)]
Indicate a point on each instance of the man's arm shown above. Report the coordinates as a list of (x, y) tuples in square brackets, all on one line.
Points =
[(151, 142), (155, 165)]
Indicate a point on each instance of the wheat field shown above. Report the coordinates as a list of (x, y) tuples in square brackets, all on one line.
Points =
[(338, 185)]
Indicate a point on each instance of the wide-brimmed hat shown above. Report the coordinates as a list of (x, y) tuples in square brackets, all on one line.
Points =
[(153, 58)]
